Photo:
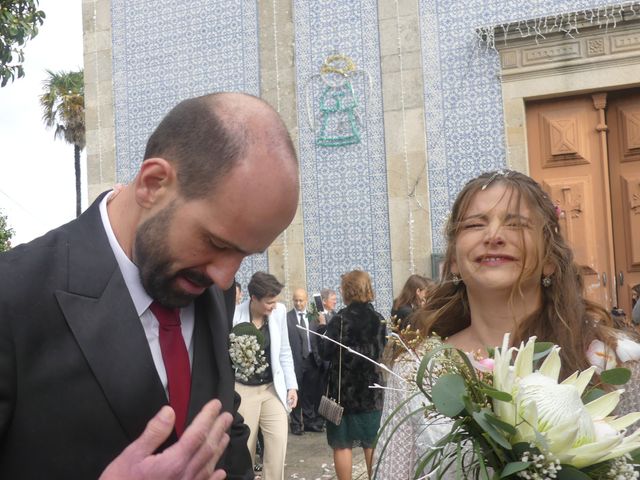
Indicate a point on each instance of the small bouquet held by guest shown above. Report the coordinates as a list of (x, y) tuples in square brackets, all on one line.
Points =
[(246, 348), (508, 417)]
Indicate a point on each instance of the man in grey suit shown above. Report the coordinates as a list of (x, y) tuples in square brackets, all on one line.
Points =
[(114, 327)]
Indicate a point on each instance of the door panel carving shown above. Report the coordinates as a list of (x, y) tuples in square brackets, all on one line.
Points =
[(630, 135), (563, 143), (566, 158), (576, 215), (631, 213), (623, 117)]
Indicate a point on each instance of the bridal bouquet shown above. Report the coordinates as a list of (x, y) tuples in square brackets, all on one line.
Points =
[(510, 418), (246, 348)]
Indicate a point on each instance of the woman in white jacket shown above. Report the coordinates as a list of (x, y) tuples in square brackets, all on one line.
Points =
[(268, 397)]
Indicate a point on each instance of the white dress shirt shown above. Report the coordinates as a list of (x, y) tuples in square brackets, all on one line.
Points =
[(142, 300), (306, 325)]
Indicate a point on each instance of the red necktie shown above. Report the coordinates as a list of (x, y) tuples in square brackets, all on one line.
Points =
[(176, 361)]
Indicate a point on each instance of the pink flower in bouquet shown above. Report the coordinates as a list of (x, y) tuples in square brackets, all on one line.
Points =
[(484, 365)]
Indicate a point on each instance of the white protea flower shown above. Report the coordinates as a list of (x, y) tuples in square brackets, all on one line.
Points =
[(551, 415)]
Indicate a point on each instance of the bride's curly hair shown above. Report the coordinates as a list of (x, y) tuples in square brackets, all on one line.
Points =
[(565, 317)]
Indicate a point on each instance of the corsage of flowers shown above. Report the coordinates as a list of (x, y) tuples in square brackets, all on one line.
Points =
[(510, 418), (246, 349)]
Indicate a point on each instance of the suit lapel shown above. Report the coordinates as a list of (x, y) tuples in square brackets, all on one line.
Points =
[(101, 315), (211, 375), (204, 377), (113, 341)]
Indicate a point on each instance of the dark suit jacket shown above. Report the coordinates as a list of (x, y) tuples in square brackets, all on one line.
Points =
[(77, 380), (296, 339)]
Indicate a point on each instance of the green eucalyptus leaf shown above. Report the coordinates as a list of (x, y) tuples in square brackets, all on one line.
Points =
[(521, 447), (423, 374), (513, 467), (572, 473), (541, 350), (635, 457), (484, 473), (616, 376), (469, 406), (495, 434), (448, 393), (505, 427), (592, 394), (496, 394)]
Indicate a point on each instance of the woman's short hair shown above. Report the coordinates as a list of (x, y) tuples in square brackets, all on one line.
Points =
[(263, 284), (356, 287)]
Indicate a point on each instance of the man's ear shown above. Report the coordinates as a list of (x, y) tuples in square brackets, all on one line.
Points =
[(155, 182)]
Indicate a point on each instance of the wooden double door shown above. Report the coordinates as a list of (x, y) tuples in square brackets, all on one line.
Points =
[(585, 152)]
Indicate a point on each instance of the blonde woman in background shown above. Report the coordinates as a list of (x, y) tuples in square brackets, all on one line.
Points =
[(359, 327)]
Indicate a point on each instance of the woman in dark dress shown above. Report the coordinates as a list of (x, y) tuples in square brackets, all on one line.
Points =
[(359, 327)]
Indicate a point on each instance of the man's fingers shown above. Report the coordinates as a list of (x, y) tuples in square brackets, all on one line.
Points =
[(194, 437), (131, 462), (207, 470), (155, 433), (213, 447)]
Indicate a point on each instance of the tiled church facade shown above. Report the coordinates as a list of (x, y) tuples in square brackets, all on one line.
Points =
[(427, 97)]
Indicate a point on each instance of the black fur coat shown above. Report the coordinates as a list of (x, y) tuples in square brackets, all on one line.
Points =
[(363, 330)]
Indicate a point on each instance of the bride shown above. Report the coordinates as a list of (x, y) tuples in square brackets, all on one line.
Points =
[(507, 269)]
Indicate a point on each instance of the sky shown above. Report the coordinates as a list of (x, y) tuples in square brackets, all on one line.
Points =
[(37, 180)]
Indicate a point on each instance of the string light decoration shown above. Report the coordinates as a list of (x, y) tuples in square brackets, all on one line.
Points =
[(568, 23), (285, 239), (98, 91), (340, 122), (405, 157)]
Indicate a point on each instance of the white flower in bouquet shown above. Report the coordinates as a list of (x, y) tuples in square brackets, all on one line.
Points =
[(552, 415), (246, 349)]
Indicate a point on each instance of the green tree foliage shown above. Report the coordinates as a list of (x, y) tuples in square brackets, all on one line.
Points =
[(62, 103), (19, 21), (5, 234)]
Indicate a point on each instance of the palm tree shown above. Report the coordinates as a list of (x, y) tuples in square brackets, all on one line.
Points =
[(62, 104)]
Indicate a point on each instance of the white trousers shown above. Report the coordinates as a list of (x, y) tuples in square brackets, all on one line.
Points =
[(260, 406)]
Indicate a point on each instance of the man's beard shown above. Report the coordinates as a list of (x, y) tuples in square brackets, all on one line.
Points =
[(153, 259)]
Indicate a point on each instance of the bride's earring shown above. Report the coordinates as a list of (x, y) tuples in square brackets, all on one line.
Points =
[(455, 279), (546, 281)]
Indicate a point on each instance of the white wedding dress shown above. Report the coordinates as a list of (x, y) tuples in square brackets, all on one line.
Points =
[(402, 443)]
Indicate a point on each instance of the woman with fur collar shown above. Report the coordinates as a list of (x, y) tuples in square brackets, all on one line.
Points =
[(359, 327)]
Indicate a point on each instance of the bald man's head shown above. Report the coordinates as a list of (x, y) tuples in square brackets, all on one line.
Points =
[(300, 299), (204, 138)]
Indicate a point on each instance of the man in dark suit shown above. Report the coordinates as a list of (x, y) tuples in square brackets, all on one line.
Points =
[(108, 319), (304, 416)]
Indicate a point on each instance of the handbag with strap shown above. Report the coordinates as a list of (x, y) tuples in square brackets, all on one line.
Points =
[(330, 408)]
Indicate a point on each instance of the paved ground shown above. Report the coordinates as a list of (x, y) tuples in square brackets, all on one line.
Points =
[(309, 457)]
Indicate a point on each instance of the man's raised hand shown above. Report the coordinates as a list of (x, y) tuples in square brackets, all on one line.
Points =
[(193, 457)]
